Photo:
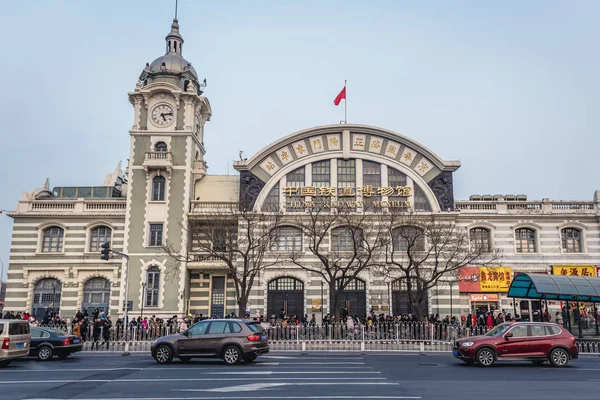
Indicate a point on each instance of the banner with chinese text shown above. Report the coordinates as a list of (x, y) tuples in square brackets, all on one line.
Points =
[(574, 270), (484, 279)]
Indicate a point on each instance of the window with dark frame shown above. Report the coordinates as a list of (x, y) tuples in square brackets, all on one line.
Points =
[(152, 286), (372, 179), (395, 179), (160, 146), (480, 239), (156, 235), (406, 237), (420, 200), (158, 188), (571, 240), (98, 236), (286, 238), (53, 238), (295, 179), (525, 240), (344, 238), (321, 173), (271, 203)]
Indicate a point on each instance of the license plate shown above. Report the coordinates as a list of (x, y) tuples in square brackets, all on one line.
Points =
[(75, 340), (263, 337), (20, 345), (455, 353)]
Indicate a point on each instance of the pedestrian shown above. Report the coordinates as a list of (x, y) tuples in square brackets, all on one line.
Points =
[(96, 333)]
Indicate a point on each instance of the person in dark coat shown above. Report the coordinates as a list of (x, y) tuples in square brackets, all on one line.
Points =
[(84, 329), (96, 333), (106, 325)]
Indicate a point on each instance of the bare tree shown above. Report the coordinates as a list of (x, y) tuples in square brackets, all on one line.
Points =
[(424, 249), (341, 243), (235, 239)]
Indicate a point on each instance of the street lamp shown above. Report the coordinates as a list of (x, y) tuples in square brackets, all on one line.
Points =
[(387, 282)]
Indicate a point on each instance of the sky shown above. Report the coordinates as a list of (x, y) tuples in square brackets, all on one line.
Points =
[(508, 88)]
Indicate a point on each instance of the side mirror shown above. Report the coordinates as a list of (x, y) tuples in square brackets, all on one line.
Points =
[(508, 335)]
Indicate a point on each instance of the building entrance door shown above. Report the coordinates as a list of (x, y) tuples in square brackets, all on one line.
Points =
[(217, 309), (285, 295), (353, 298)]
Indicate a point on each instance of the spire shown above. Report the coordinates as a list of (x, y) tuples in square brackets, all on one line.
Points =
[(174, 39)]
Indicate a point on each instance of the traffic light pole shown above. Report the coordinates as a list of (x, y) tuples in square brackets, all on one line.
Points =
[(106, 250), (125, 317)]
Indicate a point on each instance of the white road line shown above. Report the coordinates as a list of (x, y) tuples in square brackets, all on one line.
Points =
[(260, 386), (253, 379), (245, 398), (289, 372)]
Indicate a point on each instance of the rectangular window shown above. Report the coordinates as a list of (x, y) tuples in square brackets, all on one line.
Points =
[(152, 288), (271, 203), (346, 178), (525, 240), (156, 235), (571, 240), (395, 179), (371, 182), (421, 202), (295, 179), (320, 173)]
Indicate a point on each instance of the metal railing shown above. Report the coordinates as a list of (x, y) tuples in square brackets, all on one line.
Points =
[(387, 336)]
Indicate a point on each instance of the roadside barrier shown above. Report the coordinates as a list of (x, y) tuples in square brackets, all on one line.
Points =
[(387, 336)]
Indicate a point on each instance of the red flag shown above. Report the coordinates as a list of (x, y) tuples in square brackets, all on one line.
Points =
[(340, 96)]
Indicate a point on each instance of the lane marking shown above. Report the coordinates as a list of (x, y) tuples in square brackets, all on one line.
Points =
[(253, 379), (260, 386), (290, 372), (245, 398)]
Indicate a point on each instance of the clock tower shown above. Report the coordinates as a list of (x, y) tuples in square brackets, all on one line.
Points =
[(166, 159)]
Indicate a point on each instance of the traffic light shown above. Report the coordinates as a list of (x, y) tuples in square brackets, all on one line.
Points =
[(105, 251)]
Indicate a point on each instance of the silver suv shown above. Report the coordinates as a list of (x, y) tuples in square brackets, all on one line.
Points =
[(233, 340), (15, 340)]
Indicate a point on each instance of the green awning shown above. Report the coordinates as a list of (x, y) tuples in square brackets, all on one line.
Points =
[(556, 287)]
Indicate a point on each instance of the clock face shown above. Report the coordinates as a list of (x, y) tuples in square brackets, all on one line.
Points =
[(163, 115)]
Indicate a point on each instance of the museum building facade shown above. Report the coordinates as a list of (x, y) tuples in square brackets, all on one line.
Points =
[(57, 233)]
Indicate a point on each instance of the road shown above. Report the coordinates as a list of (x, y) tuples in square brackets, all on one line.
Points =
[(294, 376)]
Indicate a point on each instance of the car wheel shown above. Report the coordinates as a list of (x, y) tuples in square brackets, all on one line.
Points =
[(559, 358), (164, 355), (45, 353), (185, 359), (485, 357), (231, 355), (249, 358)]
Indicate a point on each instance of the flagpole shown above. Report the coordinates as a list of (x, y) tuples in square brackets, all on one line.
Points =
[(345, 104)]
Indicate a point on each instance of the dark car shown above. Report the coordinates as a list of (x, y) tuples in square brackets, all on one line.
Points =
[(233, 340), (48, 342), (537, 342)]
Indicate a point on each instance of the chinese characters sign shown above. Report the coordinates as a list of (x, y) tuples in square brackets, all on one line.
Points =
[(345, 196), (574, 270), (484, 279)]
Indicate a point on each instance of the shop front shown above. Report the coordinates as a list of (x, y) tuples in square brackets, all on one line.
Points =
[(484, 287), (577, 313)]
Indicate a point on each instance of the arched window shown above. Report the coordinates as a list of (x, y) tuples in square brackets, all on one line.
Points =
[(480, 239), (421, 202), (158, 188), (286, 283), (46, 298), (53, 238), (295, 179), (353, 284), (286, 238), (407, 238), (345, 238), (96, 295), (98, 236), (152, 286), (525, 240), (571, 240), (160, 146)]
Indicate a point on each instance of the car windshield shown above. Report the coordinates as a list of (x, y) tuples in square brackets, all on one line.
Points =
[(499, 330)]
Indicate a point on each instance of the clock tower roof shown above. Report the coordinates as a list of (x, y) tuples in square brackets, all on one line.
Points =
[(171, 65)]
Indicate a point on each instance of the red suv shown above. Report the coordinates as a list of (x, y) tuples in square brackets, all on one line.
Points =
[(537, 342)]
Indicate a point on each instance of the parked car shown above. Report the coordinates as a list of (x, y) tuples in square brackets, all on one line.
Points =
[(48, 342), (233, 340), (537, 342), (14, 339)]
